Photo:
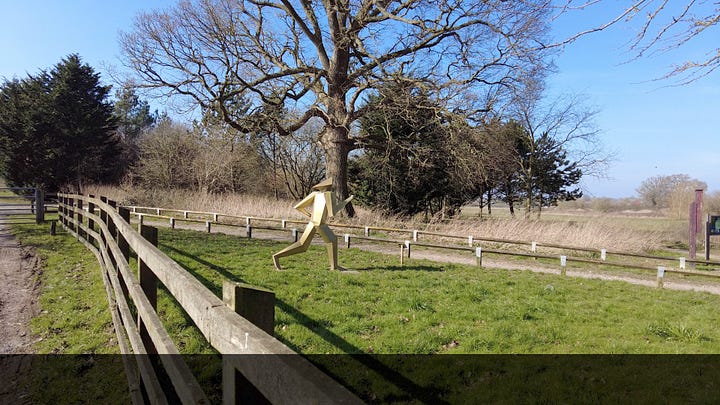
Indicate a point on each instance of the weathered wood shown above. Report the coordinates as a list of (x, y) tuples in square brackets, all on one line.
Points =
[(39, 206), (255, 304), (281, 379), (148, 283)]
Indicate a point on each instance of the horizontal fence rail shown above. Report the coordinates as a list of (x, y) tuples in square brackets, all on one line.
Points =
[(22, 205), (285, 376), (211, 219)]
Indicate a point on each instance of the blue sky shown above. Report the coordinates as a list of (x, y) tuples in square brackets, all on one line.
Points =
[(655, 129)]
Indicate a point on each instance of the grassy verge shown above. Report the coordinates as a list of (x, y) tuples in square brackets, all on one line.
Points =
[(77, 354)]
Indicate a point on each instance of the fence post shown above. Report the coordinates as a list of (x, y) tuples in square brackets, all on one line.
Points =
[(172, 223), (603, 254), (39, 206), (207, 226), (295, 234), (257, 306), (682, 263), (248, 230), (80, 233), (471, 240), (347, 240), (563, 265), (407, 246), (149, 284), (478, 256), (660, 275), (122, 242), (91, 210)]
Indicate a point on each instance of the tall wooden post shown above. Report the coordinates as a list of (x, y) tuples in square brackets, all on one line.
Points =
[(39, 206), (692, 232), (257, 306), (149, 284)]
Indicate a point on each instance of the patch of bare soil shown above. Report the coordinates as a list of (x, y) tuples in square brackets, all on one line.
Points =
[(18, 304)]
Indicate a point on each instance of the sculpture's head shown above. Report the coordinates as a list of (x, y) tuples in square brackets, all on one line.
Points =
[(325, 185)]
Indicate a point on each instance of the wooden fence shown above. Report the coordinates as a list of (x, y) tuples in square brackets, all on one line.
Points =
[(282, 376), (22, 205), (472, 244)]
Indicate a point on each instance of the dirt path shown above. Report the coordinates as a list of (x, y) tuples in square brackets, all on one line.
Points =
[(18, 294), (18, 304)]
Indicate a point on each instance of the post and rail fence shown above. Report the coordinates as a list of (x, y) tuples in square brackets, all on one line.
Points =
[(471, 244), (23, 205), (278, 376)]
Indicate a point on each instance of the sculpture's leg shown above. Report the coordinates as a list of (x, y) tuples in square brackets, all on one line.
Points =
[(298, 247), (332, 246)]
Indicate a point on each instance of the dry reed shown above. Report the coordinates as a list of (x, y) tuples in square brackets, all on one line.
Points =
[(588, 231)]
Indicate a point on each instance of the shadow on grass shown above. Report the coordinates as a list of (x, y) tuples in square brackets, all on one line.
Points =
[(356, 360)]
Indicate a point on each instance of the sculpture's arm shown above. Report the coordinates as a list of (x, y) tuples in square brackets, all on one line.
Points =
[(302, 205), (338, 206)]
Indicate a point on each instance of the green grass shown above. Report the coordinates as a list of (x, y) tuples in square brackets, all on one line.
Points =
[(428, 307), (383, 310), (74, 320)]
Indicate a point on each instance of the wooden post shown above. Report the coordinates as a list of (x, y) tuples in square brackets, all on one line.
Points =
[(39, 206), (692, 232), (402, 254), (122, 242), (257, 305), (563, 265), (53, 228), (91, 210), (81, 234), (295, 234), (149, 284), (407, 246), (172, 223), (660, 275), (347, 241), (603, 254), (707, 238), (478, 256), (207, 226), (248, 230)]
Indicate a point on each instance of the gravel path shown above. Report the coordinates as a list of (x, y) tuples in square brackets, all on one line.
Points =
[(18, 294)]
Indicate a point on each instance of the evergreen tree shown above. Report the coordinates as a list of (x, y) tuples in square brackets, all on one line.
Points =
[(58, 129)]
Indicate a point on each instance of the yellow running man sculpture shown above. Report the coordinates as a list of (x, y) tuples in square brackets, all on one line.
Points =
[(319, 205)]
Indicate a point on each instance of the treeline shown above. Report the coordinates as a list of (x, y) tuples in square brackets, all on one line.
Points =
[(59, 129)]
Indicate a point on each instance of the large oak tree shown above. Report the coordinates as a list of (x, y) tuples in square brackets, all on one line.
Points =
[(320, 58)]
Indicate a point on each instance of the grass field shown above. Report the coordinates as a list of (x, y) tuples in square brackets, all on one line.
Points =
[(383, 310)]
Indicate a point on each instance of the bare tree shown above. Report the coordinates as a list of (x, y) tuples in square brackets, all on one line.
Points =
[(565, 121), (662, 26), (320, 58)]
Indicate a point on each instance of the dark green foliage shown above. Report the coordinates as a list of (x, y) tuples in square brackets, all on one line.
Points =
[(57, 129), (412, 153)]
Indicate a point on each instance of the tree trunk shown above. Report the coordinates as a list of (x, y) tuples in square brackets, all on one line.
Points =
[(336, 145)]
